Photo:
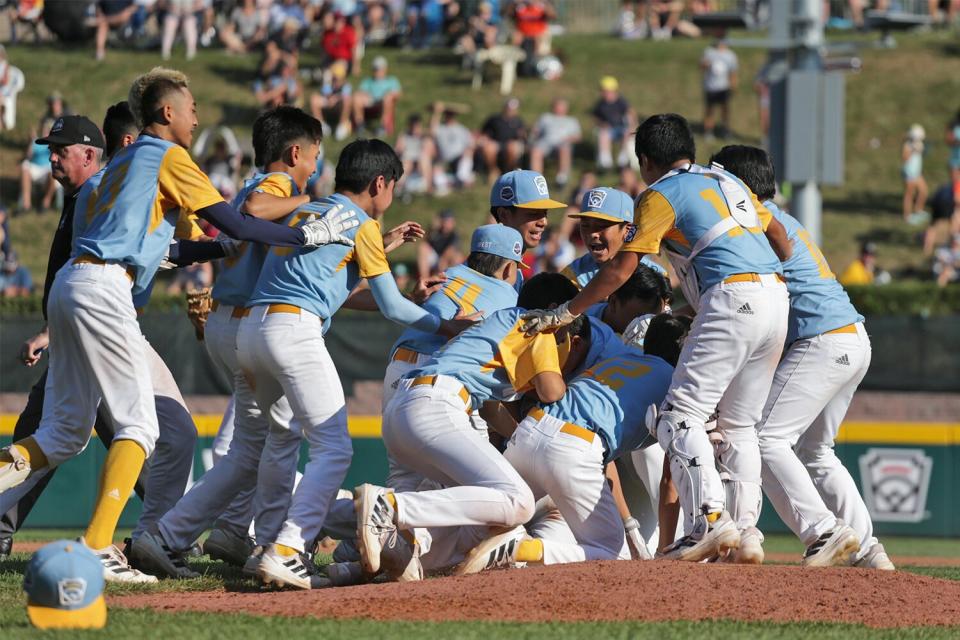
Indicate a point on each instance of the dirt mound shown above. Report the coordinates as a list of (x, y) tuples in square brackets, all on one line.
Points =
[(611, 591)]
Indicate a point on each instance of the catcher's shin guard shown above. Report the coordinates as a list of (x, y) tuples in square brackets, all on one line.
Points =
[(738, 462), (692, 468)]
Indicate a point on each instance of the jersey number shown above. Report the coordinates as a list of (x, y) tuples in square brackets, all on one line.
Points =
[(814, 250), (615, 373)]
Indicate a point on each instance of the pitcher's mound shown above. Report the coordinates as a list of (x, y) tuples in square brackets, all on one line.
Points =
[(611, 591)]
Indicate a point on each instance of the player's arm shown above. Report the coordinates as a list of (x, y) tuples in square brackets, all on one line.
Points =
[(774, 230), (267, 206), (549, 386), (631, 528), (498, 418), (668, 507), (186, 252), (609, 278)]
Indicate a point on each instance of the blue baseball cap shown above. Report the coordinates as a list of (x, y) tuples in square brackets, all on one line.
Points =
[(606, 204), (523, 189), (498, 240), (64, 585)]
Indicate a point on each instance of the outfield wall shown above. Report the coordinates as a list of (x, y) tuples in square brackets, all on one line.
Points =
[(909, 474)]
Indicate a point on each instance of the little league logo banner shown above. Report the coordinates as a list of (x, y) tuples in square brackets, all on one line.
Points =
[(895, 484)]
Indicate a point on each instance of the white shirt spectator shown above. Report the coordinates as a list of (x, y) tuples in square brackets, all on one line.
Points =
[(553, 130), (720, 63), (453, 140)]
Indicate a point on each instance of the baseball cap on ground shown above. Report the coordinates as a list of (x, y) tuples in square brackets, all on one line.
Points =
[(523, 189), (64, 585), (70, 130), (498, 240), (606, 204)]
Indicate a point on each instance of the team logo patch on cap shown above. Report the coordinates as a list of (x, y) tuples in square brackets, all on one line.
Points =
[(57, 126), (518, 248), (506, 193), (72, 591), (541, 183), (595, 198)]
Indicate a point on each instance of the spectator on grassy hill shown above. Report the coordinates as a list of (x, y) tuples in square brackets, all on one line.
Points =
[(943, 207), (417, 152), (455, 147), (587, 181), (282, 11), (379, 20), (630, 183), (531, 20), (180, 13), (332, 104), (340, 41), (953, 142), (442, 247), (615, 123), (863, 270), (35, 170), (719, 65), (555, 132), (246, 28), (4, 231), (11, 84), (376, 98), (632, 24), (15, 279), (56, 107), (481, 33), (111, 15), (401, 274), (555, 251), (502, 139), (946, 262), (911, 169), (278, 80)]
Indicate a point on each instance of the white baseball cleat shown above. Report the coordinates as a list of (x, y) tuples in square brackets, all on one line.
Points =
[(875, 558), (228, 547), (117, 569), (297, 570), (720, 536), (833, 547), (376, 526), (750, 550), (496, 552), (13, 473)]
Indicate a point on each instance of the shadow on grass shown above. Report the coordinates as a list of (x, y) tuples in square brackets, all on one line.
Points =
[(243, 76), (865, 202)]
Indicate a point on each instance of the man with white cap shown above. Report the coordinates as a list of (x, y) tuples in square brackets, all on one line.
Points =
[(377, 98)]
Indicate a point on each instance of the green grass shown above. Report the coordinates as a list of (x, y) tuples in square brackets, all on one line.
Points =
[(882, 101)]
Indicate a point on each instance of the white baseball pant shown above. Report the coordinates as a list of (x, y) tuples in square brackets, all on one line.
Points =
[(812, 389), (96, 353), (726, 364), (569, 468), (284, 354), (428, 430)]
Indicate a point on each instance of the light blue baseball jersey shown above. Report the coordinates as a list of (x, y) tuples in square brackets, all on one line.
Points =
[(818, 302), (679, 210), (319, 279), (465, 291), (604, 343), (238, 275), (494, 360), (612, 397), (147, 191), (582, 270)]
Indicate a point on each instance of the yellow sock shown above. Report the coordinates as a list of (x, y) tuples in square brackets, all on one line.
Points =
[(530, 551), (124, 461), (713, 517), (28, 449), (392, 499), (284, 550)]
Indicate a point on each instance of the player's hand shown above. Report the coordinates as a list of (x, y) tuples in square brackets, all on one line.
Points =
[(638, 548), (409, 231), (231, 248), (635, 332), (330, 229), (462, 322), (426, 287), (546, 320), (32, 350)]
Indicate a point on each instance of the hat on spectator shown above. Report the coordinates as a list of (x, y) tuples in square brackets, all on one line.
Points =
[(498, 240), (604, 203), (523, 189), (447, 213), (70, 130), (609, 83), (379, 62), (339, 69), (64, 585)]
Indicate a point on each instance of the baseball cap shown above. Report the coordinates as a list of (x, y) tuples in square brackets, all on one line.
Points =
[(64, 585), (70, 130), (609, 83), (606, 204), (524, 189), (379, 62), (498, 240)]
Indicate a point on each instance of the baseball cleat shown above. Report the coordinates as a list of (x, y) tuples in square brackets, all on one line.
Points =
[(833, 547), (496, 552), (750, 550), (297, 570), (875, 558), (228, 547), (720, 536), (150, 553), (13, 473), (376, 527), (6, 547), (251, 565), (117, 569), (401, 561)]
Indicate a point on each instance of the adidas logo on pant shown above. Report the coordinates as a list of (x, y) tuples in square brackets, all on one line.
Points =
[(745, 309), (844, 360)]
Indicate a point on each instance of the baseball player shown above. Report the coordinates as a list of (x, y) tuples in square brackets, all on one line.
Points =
[(285, 142), (827, 356), (97, 351), (713, 230), (560, 449), (427, 424)]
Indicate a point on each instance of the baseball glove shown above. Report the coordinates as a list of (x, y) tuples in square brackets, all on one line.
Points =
[(199, 304)]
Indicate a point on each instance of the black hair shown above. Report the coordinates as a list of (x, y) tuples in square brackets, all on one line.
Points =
[(414, 118), (362, 161), (750, 164), (495, 211), (665, 337), (153, 96), (485, 263), (279, 128), (546, 289), (644, 284), (665, 138), (581, 328), (118, 122)]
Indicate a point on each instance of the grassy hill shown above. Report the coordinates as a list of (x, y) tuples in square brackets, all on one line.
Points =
[(918, 82)]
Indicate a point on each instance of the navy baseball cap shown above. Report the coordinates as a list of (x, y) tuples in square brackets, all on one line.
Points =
[(606, 204), (70, 130), (64, 585), (523, 189), (498, 240)]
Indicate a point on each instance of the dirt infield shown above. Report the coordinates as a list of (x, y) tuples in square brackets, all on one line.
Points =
[(611, 591)]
